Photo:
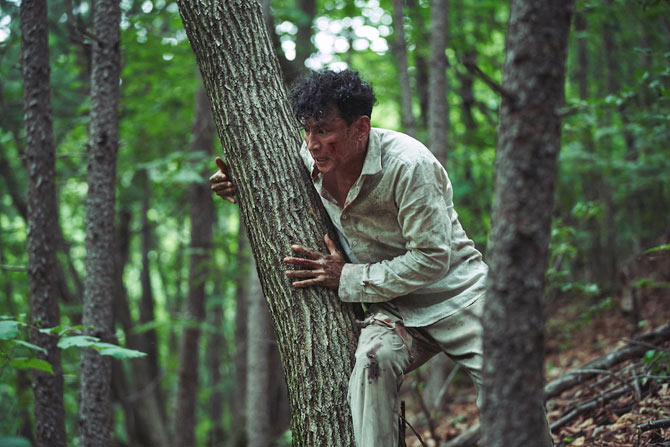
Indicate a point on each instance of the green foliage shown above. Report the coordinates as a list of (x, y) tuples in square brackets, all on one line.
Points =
[(659, 365), (14, 442), (10, 333)]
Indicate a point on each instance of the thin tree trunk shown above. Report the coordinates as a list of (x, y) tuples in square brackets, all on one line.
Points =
[(400, 51), (144, 422), (422, 76), (316, 332), (259, 336), (95, 411), (152, 374), (438, 109), (215, 349), (528, 146), (243, 259), (303, 39), (42, 220), (202, 219)]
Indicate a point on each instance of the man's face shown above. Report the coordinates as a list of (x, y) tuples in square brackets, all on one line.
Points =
[(331, 142)]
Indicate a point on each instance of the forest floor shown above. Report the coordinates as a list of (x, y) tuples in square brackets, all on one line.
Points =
[(578, 332)]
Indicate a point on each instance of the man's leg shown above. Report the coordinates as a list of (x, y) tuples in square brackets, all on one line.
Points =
[(460, 337), (381, 357)]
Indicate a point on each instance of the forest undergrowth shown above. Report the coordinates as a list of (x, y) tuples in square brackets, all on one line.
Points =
[(608, 407)]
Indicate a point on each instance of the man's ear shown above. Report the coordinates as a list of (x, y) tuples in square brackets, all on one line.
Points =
[(362, 128)]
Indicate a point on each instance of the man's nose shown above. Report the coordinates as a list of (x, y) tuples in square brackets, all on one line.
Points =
[(312, 143)]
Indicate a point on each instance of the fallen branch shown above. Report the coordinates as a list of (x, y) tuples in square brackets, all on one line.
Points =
[(589, 405), (653, 425), (468, 438), (635, 348)]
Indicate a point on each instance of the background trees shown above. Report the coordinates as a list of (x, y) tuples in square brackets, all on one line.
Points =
[(611, 199)]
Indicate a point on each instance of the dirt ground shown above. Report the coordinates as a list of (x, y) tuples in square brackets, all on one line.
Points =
[(578, 332)]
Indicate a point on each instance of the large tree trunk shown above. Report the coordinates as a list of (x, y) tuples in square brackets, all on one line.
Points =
[(528, 147), (95, 411), (400, 51), (202, 219), (316, 332), (438, 108), (42, 219)]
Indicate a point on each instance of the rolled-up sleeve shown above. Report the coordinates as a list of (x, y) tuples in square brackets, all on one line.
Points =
[(422, 195)]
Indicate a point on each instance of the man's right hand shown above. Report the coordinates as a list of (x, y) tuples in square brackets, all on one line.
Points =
[(221, 184)]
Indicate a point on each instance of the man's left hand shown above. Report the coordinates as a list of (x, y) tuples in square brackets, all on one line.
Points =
[(322, 269)]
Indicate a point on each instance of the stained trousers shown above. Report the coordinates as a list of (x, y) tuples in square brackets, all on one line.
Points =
[(387, 351)]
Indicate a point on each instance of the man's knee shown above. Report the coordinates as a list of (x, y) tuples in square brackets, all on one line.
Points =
[(381, 359)]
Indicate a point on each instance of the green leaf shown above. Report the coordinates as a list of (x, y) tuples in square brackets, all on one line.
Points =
[(26, 363), (78, 341), (659, 248), (8, 329), (14, 442), (117, 351), (29, 345), (51, 330), (70, 329)]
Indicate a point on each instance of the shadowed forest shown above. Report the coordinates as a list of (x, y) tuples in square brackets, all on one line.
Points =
[(116, 257)]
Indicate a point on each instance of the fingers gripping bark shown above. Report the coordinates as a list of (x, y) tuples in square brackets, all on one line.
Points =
[(316, 268), (220, 182)]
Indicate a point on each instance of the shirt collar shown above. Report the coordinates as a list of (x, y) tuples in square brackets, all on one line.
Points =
[(373, 158)]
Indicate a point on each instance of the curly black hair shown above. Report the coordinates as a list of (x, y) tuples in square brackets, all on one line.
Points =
[(314, 94)]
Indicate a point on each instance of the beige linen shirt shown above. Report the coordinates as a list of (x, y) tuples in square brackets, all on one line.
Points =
[(399, 229)]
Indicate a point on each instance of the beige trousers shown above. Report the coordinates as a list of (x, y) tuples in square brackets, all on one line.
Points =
[(387, 350)]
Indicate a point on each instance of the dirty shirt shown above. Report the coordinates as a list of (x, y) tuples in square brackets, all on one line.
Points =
[(400, 231)]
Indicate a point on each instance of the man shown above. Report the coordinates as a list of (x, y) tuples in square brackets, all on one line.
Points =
[(410, 261)]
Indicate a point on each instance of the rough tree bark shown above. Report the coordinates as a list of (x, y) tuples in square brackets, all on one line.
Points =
[(202, 219), (95, 410), (316, 332), (528, 146), (400, 51), (438, 109), (42, 219)]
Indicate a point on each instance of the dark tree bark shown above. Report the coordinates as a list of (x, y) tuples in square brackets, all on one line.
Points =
[(202, 219), (95, 411), (400, 51), (42, 220), (316, 332), (528, 146), (438, 109)]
